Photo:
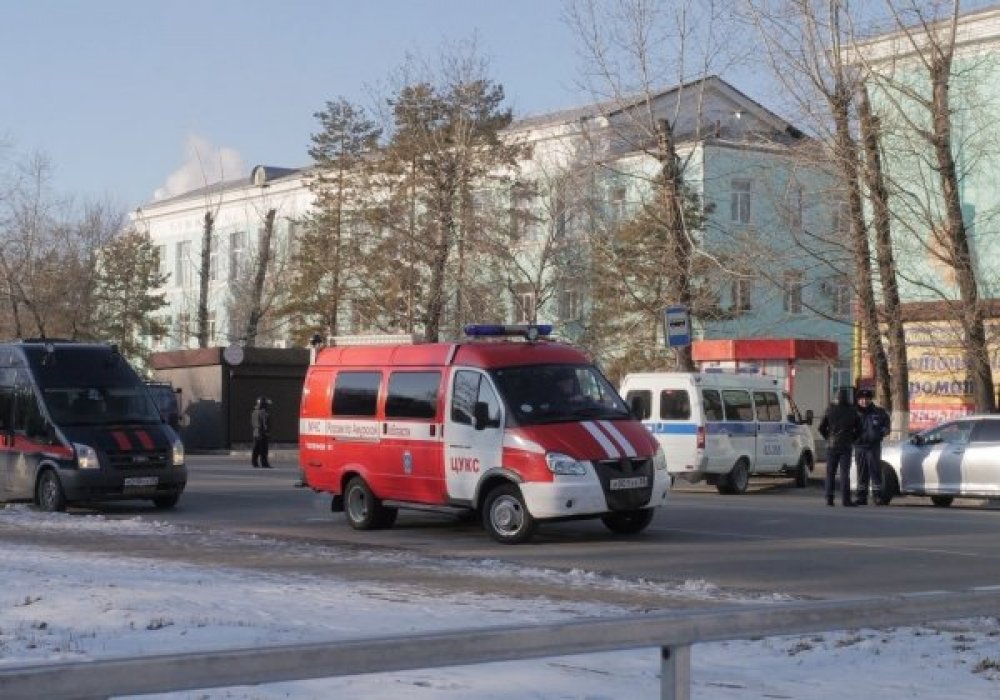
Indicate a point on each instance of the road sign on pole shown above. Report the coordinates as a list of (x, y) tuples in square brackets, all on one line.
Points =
[(676, 326)]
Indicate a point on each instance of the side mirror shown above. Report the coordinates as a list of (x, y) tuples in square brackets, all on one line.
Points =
[(809, 416), (480, 415)]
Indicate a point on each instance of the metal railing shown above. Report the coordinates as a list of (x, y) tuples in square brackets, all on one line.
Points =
[(673, 632)]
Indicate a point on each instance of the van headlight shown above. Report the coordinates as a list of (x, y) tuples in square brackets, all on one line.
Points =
[(86, 457), (660, 460), (564, 464), (177, 453)]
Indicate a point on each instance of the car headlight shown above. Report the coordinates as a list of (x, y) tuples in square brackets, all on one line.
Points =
[(86, 456), (177, 453), (660, 460), (564, 464)]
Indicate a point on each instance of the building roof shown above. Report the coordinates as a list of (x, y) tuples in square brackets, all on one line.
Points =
[(259, 175)]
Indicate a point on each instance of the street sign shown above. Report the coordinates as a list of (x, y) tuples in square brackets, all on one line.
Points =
[(676, 326)]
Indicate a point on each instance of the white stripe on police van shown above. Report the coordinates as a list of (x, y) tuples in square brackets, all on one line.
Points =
[(622, 441), (602, 439)]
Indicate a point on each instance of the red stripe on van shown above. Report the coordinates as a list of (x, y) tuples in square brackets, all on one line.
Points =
[(122, 440), (145, 440)]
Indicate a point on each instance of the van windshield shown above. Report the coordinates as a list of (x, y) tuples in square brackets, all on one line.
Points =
[(557, 393), (113, 405)]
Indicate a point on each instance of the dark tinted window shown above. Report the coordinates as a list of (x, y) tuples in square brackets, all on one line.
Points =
[(28, 420), (412, 395), (738, 406), (6, 407), (675, 404), (356, 393), (986, 431), (80, 366), (712, 404), (641, 403)]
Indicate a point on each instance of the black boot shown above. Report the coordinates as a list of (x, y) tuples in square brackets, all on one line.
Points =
[(829, 500), (848, 503)]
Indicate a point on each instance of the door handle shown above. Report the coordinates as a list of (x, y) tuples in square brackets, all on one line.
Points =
[(460, 447)]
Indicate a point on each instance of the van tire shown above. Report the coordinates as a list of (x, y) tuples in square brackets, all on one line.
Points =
[(49, 494), (628, 522), (506, 517), (363, 510), (166, 502), (736, 481), (802, 470)]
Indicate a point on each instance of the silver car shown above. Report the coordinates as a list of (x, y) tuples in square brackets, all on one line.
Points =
[(958, 458)]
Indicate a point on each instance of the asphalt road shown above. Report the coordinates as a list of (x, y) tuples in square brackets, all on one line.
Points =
[(774, 539)]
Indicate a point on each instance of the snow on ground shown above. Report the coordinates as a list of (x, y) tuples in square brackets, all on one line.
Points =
[(57, 604)]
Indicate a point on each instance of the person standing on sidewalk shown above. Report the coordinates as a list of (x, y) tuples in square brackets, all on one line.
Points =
[(841, 426), (260, 421), (875, 425)]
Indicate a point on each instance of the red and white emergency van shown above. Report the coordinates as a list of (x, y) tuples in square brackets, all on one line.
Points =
[(519, 431)]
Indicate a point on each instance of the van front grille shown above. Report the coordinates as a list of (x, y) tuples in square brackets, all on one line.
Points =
[(629, 498), (138, 460)]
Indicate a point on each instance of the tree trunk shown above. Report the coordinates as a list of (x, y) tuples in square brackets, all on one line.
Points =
[(204, 272), (895, 397), (263, 260), (439, 262), (845, 151), (974, 327), (679, 248)]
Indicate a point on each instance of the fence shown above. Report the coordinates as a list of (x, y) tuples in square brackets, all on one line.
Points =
[(673, 632)]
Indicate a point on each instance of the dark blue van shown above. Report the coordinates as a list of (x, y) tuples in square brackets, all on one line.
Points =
[(77, 424)]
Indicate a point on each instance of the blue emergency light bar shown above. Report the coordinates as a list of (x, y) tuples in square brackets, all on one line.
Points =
[(484, 330)]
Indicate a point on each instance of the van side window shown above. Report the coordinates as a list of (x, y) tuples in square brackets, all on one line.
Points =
[(712, 404), (641, 403), (768, 409), (675, 404), (469, 388), (28, 419), (737, 404), (356, 393), (412, 395)]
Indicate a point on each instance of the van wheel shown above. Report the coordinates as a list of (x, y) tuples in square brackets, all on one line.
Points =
[(802, 470), (890, 485), (363, 510), (942, 501), (49, 494), (736, 481), (628, 522), (166, 502), (506, 517)]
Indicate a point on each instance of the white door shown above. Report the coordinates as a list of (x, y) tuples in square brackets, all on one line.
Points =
[(472, 447), (740, 427), (771, 448)]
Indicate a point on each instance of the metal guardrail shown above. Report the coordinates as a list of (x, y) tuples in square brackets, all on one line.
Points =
[(673, 632)]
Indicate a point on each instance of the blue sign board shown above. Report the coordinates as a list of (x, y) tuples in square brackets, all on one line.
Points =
[(677, 326)]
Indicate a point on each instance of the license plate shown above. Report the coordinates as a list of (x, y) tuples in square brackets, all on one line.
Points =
[(138, 482), (632, 482)]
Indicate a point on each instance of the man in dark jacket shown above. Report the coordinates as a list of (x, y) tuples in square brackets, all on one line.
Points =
[(260, 421), (841, 426), (875, 425)]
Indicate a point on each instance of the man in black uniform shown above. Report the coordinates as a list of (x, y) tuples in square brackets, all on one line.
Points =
[(260, 421), (875, 425), (841, 426)]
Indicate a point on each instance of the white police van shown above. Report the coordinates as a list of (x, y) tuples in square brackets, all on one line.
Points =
[(723, 427)]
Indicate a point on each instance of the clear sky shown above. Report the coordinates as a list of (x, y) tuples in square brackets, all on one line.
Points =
[(117, 92)]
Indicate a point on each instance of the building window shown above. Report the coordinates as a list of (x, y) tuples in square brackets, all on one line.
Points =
[(841, 217), (524, 303), (520, 210), (570, 304), (237, 253), (183, 330), (211, 327), (741, 290), (840, 296), (792, 286), (795, 206), (182, 264), (739, 204), (619, 204), (161, 259)]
